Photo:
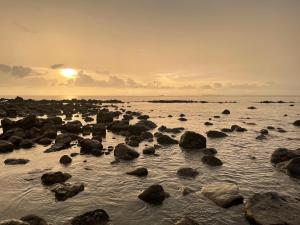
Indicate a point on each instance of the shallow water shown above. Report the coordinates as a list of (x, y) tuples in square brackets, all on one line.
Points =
[(107, 187)]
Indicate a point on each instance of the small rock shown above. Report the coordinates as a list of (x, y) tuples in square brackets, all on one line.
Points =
[(154, 194), (139, 172), (67, 190), (65, 159), (55, 177), (226, 112), (96, 217), (149, 151), (166, 140), (187, 172), (6, 146), (15, 161), (211, 160), (215, 134)]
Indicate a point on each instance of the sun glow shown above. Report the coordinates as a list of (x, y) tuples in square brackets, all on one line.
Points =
[(68, 73)]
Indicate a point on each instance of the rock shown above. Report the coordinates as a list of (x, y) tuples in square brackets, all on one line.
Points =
[(226, 112), (149, 151), (270, 128), (283, 154), (67, 190), (223, 194), (166, 140), (238, 128), (272, 208), (73, 127), (44, 141), (192, 140), (105, 117), (186, 221), (55, 177), (139, 172), (34, 220), (297, 123), (62, 142), (264, 131), (182, 119), (187, 172), (65, 159), (293, 167), (15, 161), (73, 154), (124, 152), (215, 134), (26, 143), (90, 146), (15, 140), (154, 194), (96, 217), (209, 151), (251, 107), (6, 146), (211, 160), (261, 137), (99, 130), (226, 130), (88, 119), (208, 124), (28, 122), (13, 222), (175, 130), (186, 191)]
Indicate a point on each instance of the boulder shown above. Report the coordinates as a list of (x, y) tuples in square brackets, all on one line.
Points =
[(55, 177), (67, 190), (166, 140), (15, 161), (272, 208), (62, 142), (125, 152), (192, 140), (90, 146), (154, 194), (73, 126), (283, 154), (293, 167), (216, 134), (6, 146), (211, 160), (223, 194), (65, 159), (139, 172), (96, 217), (34, 220), (187, 172)]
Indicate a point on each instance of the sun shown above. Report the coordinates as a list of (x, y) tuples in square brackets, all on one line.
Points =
[(69, 73)]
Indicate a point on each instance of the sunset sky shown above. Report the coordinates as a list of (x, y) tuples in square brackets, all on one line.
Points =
[(153, 47)]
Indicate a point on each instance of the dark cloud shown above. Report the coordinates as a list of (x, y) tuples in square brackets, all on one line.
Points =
[(5, 68), (17, 71), (56, 66)]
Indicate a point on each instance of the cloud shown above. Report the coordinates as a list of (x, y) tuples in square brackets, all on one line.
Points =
[(56, 66), (5, 68), (17, 71)]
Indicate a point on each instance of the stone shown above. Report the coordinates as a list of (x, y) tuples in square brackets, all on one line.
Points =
[(226, 112), (283, 154), (297, 123), (139, 172), (26, 143), (216, 134), (149, 151), (62, 142), (6, 146), (96, 217), (187, 172), (34, 220), (16, 161), (211, 160), (65, 159), (154, 194), (209, 151), (67, 190), (55, 177), (192, 140), (166, 140), (124, 152), (44, 141)]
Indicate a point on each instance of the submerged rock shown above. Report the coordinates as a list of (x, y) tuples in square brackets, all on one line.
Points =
[(55, 177), (166, 140), (124, 152), (283, 154), (187, 172), (149, 151), (272, 208), (67, 190), (209, 151), (223, 194), (6, 146), (96, 217), (34, 220), (15, 161), (139, 172), (186, 221), (211, 160), (154, 194), (192, 140), (216, 134), (62, 142)]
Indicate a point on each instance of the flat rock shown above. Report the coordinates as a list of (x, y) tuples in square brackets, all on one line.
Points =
[(187, 172), (67, 190), (15, 161), (55, 177)]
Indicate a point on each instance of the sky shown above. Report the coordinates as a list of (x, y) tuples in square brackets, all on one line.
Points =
[(150, 47)]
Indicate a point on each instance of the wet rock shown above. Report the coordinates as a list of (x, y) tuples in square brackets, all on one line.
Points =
[(105, 117), (283, 154), (16, 161), (226, 130), (272, 208), (88, 119), (209, 151), (62, 142), (99, 130), (175, 130), (281, 130), (251, 107), (55, 177), (264, 131), (139, 172), (293, 167), (182, 119), (28, 122), (192, 140), (73, 126), (67, 190), (216, 134), (297, 123), (124, 152), (96, 217), (187, 172), (186, 191), (211, 160), (45, 141), (6, 146), (226, 112), (238, 128), (270, 128), (34, 220), (166, 140), (208, 124), (13, 222), (26, 143), (65, 159), (73, 154), (90, 146), (149, 151), (186, 221), (261, 137), (223, 194), (154, 194), (15, 140)]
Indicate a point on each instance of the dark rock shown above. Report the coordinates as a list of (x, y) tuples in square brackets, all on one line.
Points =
[(55, 177), (187, 172), (139, 172), (105, 116), (208, 124), (15, 161), (209, 151), (211, 160), (272, 208), (186, 221), (149, 151), (124, 152), (226, 130), (62, 142), (13, 222), (223, 194), (65, 159), (226, 112), (6, 146), (215, 134), (67, 190), (26, 143), (186, 191), (182, 119), (166, 140), (90, 146), (192, 140), (96, 217), (154, 194), (264, 131), (73, 154), (261, 137), (88, 119), (270, 128), (283, 154), (293, 167), (297, 123), (15, 140), (45, 141), (238, 128), (251, 107), (34, 220), (73, 126)]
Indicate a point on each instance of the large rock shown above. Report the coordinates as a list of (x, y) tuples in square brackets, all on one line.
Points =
[(15, 161), (166, 140), (62, 142), (216, 134), (192, 140), (91, 146), (154, 194), (223, 194), (96, 217), (34, 220), (187, 172), (149, 150), (124, 152), (105, 116), (139, 172), (73, 126), (67, 190), (55, 177), (271, 208), (297, 123), (283, 154), (293, 167), (6, 146), (28, 122)]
